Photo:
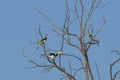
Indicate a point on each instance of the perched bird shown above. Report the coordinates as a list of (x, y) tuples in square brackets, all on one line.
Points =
[(93, 40), (42, 41), (90, 36), (50, 55)]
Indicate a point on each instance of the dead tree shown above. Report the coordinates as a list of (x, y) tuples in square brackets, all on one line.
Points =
[(86, 38)]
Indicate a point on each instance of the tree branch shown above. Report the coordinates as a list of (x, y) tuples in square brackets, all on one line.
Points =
[(47, 18), (111, 66)]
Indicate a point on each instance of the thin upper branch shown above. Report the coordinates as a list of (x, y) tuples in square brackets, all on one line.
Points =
[(116, 52), (39, 65), (76, 71), (91, 10), (68, 41), (46, 17), (82, 16), (75, 58), (101, 26)]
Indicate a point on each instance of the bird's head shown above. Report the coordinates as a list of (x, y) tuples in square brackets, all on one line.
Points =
[(59, 52), (89, 35), (47, 35)]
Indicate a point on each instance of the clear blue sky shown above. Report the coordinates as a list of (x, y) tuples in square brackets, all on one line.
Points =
[(18, 19)]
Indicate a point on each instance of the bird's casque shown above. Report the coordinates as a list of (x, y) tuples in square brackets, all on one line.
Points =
[(59, 52)]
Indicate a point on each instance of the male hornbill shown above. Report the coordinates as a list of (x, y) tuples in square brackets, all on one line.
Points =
[(42, 41)]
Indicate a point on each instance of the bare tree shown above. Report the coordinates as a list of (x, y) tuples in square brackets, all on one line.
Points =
[(86, 38)]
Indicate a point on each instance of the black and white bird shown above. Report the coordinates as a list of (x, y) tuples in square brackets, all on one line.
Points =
[(50, 56), (42, 41)]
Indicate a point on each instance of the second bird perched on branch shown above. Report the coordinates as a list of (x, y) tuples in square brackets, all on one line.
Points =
[(42, 41), (50, 55), (93, 40), (91, 36)]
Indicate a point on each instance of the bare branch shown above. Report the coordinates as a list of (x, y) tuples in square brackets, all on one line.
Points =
[(37, 40), (76, 10), (36, 36), (104, 4), (63, 77), (70, 76), (77, 71), (40, 32), (75, 58), (38, 65), (72, 20), (58, 33), (97, 70), (90, 26), (116, 74), (74, 35), (82, 15), (67, 41), (71, 44), (116, 52), (111, 66), (32, 43), (70, 67), (55, 25), (60, 60), (80, 20), (100, 28), (91, 10), (47, 69)]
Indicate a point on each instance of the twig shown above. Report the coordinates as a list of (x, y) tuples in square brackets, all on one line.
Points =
[(46, 17), (100, 28), (81, 19), (111, 66), (116, 74), (70, 67), (77, 71), (97, 70), (39, 31), (75, 58), (116, 52)]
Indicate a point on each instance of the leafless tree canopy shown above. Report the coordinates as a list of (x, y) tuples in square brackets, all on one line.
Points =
[(86, 38)]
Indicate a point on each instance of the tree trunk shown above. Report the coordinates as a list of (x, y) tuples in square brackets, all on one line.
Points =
[(88, 69)]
